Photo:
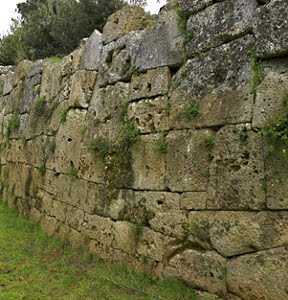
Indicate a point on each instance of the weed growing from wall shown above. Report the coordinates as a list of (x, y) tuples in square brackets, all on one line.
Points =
[(162, 144), (42, 169), (100, 147), (40, 105), (192, 110), (257, 72), (182, 18), (209, 143), (12, 125), (130, 133), (63, 115), (72, 171)]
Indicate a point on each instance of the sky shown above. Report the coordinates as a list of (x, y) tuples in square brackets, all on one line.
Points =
[(7, 11)]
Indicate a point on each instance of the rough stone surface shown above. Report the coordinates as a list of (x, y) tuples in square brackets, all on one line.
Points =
[(130, 18), (145, 156), (92, 52), (259, 276), (162, 46), (270, 27), (219, 24)]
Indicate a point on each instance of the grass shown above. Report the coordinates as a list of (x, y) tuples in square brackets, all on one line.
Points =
[(40, 105), (192, 110), (100, 147), (55, 59), (130, 133), (34, 266), (63, 115), (12, 125), (42, 169)]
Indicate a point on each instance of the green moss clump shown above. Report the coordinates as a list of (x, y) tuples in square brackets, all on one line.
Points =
[(182, 19), (257, 72)]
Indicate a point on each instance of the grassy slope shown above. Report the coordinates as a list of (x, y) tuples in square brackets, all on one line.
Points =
[(34, 266)]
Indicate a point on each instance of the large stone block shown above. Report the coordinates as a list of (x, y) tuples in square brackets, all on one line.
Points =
[(262, 275), (162, 46), (187, 160), (21, 71), (117, 61), (237, 172), (125, 236), (148, 166), (187, 6), (153, 83), (270, 28), (158, 210), (82, 87), (130, 18), (219, 24), (67, 151), (236, 233), (151, 115), (98, 228), (218, 83), (51, 81), (202, 270), (271, 93), (92, 51), (8, 83)]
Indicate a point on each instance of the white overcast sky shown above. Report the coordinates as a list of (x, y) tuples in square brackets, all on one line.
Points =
[(7, 11)]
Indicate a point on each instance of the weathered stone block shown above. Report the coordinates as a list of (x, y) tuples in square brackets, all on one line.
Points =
[(199, 269), (117, 61), (162, 46), (82, 88), (99, 229), (187, 159), (218, 82), (51, 81), (270, 97), (153, 83), (260, 275), (8, 83), (153, 245), (270, 28), (21, 71), (219, 23), (92, 51), (49, 225), (237, 171), (193, 201), (74, 217), (125, 236), (130, 18), (151, 115), (236, 233), (148, 166), (67, 151)]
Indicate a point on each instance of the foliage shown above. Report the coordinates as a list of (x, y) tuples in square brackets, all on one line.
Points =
[(63, 115), (192, 110), (55, 59), (53, 28), (276, 130), (72, 272), (182, 18), (12, 124), (257, 72), (130, 133), (42, 169), (100, 147), (209, 142), (162, 144), (40, 104), (51, 145)]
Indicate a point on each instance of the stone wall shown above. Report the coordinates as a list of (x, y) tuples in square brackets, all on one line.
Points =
[(145, 144)]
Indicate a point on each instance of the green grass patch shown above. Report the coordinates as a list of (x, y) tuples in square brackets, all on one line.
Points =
[(55, 59), (35, 266), (130, 133), (40, 105), (191, 111)]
